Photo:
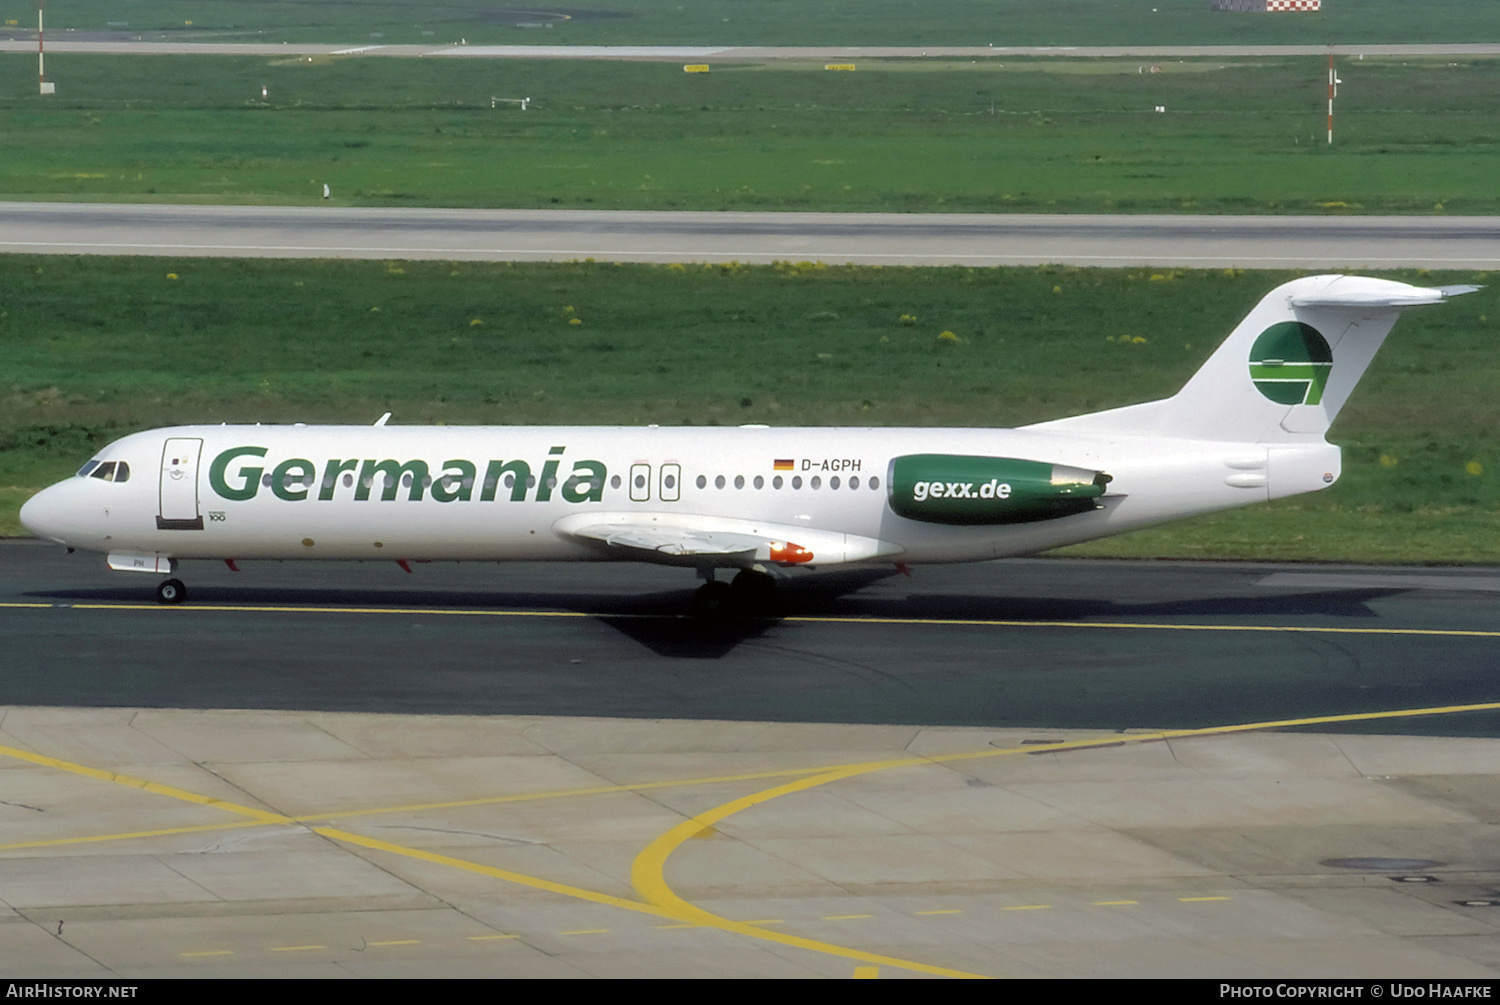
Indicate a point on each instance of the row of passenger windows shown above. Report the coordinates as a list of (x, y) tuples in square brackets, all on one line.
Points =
[(119, 471), (109, 471), (451, 482), (815, 482)]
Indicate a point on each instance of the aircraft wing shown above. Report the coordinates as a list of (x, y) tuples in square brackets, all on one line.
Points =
[(693, 540), (673, 542)]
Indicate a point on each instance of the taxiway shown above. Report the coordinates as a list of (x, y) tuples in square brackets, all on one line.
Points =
[(548, 771)]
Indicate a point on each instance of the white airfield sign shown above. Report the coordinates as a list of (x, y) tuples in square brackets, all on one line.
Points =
[(1247, 427)]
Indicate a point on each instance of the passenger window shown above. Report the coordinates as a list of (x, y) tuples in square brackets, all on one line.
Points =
[(83, 472), (122, 472), (104, 472)]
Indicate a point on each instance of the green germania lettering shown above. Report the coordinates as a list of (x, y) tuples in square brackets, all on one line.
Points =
[(456, 483), (331, 472), (247, 476), (586, 483), (292, 479), (416, 472), (548, 480), (239, 473), (520, 474)]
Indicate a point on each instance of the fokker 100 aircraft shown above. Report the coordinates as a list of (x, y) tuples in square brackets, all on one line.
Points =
[(754, 500)]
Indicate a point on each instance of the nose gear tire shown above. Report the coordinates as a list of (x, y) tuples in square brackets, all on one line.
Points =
[(171, 591)]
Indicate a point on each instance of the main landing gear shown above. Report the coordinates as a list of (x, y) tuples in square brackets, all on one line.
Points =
[(750, 594), (171, 591)]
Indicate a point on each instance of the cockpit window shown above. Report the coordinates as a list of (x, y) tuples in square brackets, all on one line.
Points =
[(106, 471)]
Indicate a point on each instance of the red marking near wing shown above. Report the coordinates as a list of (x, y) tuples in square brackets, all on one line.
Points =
[(789, 553)]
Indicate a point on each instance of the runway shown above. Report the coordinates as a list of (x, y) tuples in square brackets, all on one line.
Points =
[(548, 771), (123, 43), (858, 238)]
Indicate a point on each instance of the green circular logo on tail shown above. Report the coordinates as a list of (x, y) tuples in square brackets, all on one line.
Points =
[(1290, 363)]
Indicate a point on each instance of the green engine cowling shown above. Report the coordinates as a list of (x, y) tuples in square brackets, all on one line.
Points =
[(958, 489)]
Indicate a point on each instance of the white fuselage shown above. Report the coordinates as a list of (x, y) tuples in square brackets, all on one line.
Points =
[(215, 492)]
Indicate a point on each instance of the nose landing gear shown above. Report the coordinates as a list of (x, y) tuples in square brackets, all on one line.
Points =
[(171, 591)]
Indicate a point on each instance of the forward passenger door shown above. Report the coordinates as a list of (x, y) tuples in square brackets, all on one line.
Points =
[(178, 492)]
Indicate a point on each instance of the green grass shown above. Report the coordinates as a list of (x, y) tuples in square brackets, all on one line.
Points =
[(93, 348), (774, 22), (1031, 135)]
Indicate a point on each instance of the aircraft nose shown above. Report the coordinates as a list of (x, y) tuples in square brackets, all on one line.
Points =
[(47, 513)]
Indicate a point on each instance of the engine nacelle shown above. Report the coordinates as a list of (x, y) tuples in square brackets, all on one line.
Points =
[(959, 489)]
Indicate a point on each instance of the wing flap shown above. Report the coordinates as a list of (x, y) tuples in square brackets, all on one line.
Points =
[(673, 541), (696, 540)]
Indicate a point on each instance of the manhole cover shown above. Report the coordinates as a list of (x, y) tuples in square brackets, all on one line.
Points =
[(1381, 864)]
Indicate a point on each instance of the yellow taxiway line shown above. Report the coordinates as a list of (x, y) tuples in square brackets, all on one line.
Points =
[(261, 816), (796, 618), (647, 870)]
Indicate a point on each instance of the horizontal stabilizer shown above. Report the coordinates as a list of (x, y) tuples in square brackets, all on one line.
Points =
[(1383, 297)]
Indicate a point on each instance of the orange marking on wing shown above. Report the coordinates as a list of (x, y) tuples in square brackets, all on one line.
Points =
[(789, 554)]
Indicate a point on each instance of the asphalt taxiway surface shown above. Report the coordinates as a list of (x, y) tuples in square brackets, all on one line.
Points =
[(547, 771), (1076, 644), (644, 236)]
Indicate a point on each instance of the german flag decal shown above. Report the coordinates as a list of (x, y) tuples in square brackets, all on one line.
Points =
[(784, 465)]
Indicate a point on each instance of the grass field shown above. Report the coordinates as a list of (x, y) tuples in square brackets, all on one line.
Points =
[(93, 348), (770, 22), (903, 135)]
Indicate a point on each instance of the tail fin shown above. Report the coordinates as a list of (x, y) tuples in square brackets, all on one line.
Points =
[(1284, 372)]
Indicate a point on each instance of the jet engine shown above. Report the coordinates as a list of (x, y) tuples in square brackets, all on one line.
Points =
[(958, 489)]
